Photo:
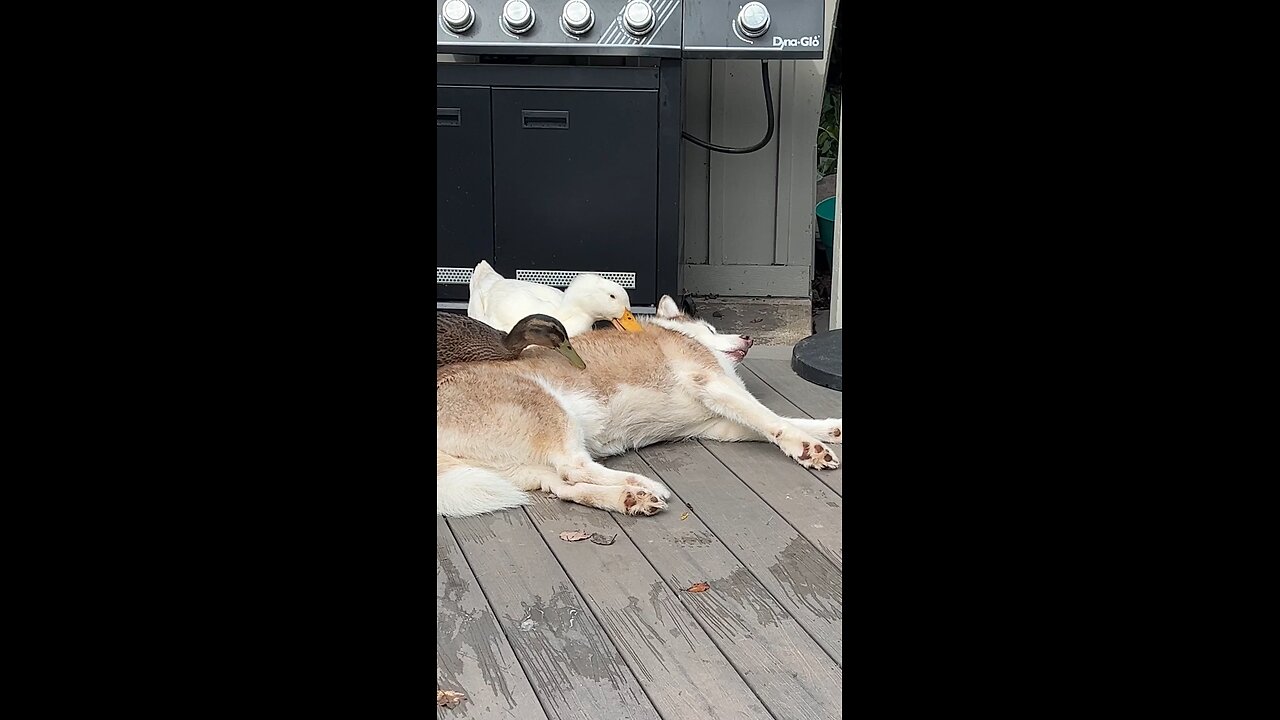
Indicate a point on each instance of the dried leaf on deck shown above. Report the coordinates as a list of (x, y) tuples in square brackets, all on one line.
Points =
[(574, 535), (698, 587), (449, 698), (599, 539)]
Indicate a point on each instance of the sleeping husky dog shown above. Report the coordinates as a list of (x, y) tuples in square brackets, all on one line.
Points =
[(503, 428)]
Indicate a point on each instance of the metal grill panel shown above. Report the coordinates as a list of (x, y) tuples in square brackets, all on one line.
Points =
[(562, 278), (453, 276)]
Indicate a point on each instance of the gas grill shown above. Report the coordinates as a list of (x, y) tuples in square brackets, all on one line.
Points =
[(558, 131)]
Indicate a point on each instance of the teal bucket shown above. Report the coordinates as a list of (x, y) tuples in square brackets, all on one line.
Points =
[(826, 211)]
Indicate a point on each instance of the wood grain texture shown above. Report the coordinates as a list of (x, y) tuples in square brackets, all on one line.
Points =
[(472, 655), (573, 667), (790, 490), (817, 401), (683, 673), (784, 665), (795, 573)]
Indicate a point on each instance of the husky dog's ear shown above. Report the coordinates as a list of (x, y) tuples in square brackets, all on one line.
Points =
[(687, 306), (667, 308)]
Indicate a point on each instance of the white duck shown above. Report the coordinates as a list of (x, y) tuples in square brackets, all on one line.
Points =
[(501, 303)]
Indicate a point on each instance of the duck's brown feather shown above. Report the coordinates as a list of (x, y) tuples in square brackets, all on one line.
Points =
[(463, 339)]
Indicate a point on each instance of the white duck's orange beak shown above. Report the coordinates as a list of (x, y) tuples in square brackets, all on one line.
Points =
[(627, 322)]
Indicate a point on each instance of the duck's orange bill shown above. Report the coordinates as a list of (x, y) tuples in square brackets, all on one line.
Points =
[(627, 322)]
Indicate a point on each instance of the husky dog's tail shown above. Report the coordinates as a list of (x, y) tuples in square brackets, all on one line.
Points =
[(463, 490)]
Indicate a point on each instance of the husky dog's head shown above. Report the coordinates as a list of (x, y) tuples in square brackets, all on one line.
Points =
[(672, 317)]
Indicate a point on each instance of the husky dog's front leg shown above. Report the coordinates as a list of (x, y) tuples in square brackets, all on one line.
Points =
[(831, 429), (725, 430), (726, 399)]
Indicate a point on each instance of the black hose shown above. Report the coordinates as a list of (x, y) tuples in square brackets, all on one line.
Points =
[(768, 135)]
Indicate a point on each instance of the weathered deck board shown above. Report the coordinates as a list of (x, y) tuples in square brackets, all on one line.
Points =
[(790, 490), (817, 401), (472, 655), (770, 398), (784, 665), (683, 673), (833, 479), (797, 574), (573, 667)]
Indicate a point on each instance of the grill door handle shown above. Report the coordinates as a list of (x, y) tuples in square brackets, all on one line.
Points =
[(448, 117), (545, 119)]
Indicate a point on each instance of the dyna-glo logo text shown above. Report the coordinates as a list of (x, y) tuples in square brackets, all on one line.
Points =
[(811, 41)]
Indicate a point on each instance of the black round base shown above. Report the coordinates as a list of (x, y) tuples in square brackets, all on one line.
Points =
[(818, 359)]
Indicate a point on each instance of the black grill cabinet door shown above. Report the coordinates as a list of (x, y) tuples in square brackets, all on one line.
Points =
[(575, 182), (464, 186)]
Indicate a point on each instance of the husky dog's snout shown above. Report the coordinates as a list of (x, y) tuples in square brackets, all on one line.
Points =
[(748, 340)]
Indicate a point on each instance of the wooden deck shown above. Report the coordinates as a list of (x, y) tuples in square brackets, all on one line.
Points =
[(531, 627)]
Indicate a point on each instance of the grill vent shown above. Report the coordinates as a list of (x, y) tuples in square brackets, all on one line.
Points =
[(554, 278), (562, 278), (453, 276)]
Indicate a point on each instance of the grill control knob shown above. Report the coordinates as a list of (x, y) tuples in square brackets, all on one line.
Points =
[(517, 15), (457, 15), (753, 20), (637, 18), (577, 16)]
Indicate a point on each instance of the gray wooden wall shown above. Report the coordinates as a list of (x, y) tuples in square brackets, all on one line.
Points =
[(749, 224)]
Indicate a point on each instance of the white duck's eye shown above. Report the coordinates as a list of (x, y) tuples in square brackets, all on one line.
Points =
[(612, 297)]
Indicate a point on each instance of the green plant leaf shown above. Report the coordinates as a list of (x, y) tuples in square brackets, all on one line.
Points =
[(828, 139)]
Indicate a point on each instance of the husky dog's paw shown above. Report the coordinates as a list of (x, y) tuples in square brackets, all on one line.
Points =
[(641, 502), (830, 430), (809, 452), (652, 486)]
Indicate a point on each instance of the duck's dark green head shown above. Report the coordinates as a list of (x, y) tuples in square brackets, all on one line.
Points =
[(546, 331)]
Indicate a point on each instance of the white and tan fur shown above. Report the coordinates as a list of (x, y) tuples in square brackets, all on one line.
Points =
[(503, 428)]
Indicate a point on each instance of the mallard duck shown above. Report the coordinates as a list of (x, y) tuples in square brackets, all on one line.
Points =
[(500, 303), (463, 339)]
